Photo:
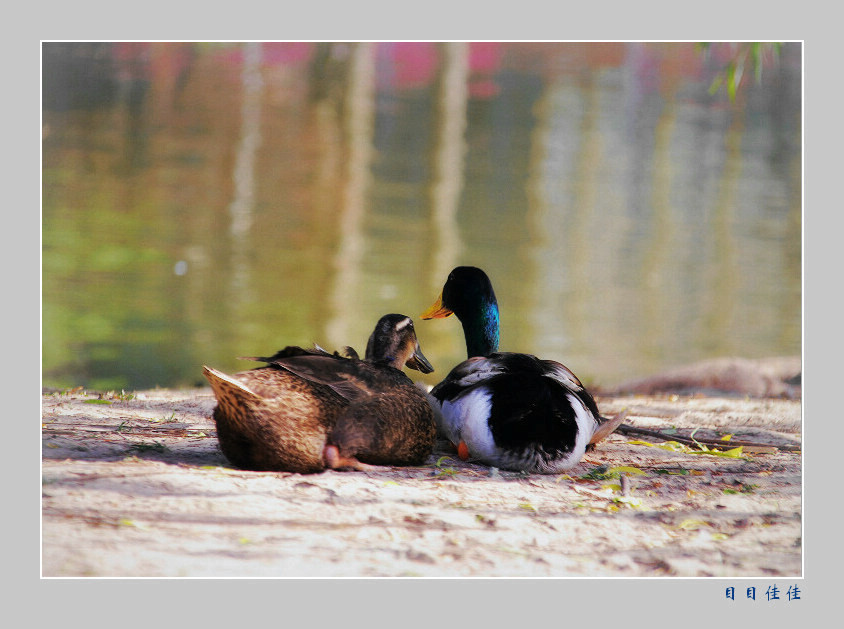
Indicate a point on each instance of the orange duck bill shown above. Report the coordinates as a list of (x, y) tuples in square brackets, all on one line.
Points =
[(437, 311)]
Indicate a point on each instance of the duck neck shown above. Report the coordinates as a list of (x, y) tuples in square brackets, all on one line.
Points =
[(482, 331), (388, 361)]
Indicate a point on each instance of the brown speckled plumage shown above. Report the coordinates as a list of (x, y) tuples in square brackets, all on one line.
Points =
[(308, 410)]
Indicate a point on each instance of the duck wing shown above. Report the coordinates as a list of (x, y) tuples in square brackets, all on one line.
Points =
[(465, 376), (341, 373), (293, 350), (343, 376), (518, 393), (565, 377), (474, 371)]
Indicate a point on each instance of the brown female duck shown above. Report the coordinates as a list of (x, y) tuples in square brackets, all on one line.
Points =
[(308, 410)]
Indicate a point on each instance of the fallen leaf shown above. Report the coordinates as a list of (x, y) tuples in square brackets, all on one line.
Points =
[(629, 500), (735, 453), (625, 469), (605, 493)]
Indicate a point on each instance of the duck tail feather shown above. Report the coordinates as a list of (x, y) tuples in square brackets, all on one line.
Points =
[(606, 426), (225, 387)]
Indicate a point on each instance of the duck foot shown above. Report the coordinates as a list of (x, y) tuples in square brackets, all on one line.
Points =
[(333, 459)]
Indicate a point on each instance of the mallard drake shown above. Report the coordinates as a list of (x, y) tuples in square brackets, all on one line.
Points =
[(308, 410), (509, 410)]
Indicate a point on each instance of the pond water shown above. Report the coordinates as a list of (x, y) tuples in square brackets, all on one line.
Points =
[(204, 201)]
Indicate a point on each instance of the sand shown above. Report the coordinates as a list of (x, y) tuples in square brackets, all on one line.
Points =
[(136, 486)]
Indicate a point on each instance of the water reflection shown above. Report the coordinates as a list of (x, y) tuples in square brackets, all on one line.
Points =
[(359, 113), (242, 206), (449, 154), (206, 201)]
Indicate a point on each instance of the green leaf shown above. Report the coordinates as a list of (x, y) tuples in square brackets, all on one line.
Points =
[(752, 53), (744, 489), (716, 84), (625, 469), (674, 446), (678, 472), (97, 401), (731, 81), (596, 473)]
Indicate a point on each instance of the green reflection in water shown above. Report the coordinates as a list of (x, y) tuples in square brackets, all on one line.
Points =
[(221, 202)]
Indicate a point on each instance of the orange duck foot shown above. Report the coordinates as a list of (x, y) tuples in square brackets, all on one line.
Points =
[(333, 459), (463, 451)]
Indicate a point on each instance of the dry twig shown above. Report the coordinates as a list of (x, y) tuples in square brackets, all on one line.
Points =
[(626, 429)]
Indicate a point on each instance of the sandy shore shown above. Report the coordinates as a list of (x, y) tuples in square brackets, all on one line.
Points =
[(138, 487)]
